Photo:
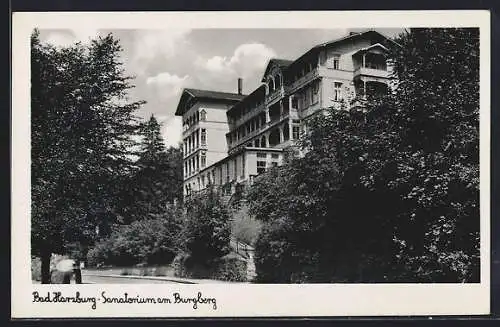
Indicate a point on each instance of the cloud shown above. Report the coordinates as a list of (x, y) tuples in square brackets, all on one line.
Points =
[(150, 43), (151, 46), (167, 85), (172, 131), (68, 37), (246, 60)]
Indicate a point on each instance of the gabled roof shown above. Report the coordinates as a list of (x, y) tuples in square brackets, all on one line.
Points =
[(281, 63), (197, 94), (374, 35), (376, 45)]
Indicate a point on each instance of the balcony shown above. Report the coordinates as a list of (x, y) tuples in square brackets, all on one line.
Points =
[(275, 95), (245, 138), (306, 79), (187, 130), (193, 150), (371, 72), (249, 115)]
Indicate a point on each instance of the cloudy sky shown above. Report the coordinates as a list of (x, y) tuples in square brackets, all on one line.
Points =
[(166, 61)]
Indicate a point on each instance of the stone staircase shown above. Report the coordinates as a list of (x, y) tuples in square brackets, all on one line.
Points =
[(251, 274), (246, 252)]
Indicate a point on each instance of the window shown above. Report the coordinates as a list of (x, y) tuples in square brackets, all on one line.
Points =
[(315, 92), (261, 167), (203, 159), (295, 103), (295, 132), (275, 156), (333, 62), (203, 115), (307, 98), (274, 163), (261, 155), (202, 180), (336, 61), (243, 166), (337, 91), (278, 81), (203, 136)]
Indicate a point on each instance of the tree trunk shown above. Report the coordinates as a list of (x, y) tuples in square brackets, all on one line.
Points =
[(45, 257)]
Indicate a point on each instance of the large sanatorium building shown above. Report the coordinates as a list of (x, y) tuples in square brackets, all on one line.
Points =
[(229, 138)]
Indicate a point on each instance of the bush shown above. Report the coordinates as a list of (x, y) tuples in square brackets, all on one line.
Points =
[(36, 269), (207, 230), (99, 254), (228, 268), (151, 241), (244, 227), (231, 268), (163, 271)]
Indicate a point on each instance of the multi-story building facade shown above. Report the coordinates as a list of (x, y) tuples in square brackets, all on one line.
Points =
[(204, 126), (250, 132)]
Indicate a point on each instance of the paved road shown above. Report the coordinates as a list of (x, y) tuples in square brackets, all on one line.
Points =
[(117, 280)]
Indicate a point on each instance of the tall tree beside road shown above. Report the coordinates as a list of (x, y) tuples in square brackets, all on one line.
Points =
[(81, 128)]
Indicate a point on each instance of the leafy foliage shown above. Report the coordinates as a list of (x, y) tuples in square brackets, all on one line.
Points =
[(207, 229), (228, 268), (81, 128), (390, 194), (150, 241), (156, 183), (244, 227)]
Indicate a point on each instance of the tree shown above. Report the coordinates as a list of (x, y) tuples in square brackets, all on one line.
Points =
[(207, 229), (390, 194), (152, 145), (81, 125), (150, 241), (436, 159), (156, 183)]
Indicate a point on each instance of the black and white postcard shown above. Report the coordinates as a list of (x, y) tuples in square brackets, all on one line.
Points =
[(250, 164)]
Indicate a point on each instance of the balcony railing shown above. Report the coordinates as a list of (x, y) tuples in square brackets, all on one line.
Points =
[(187, 131), (274, 120), (303, 80), (194, 149), (277, 94), (251, 114), (371, 72)]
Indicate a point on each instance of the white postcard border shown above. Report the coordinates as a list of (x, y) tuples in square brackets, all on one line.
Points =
[(254, 299)]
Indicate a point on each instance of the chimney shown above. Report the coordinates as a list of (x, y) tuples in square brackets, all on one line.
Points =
[(240, 86)]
